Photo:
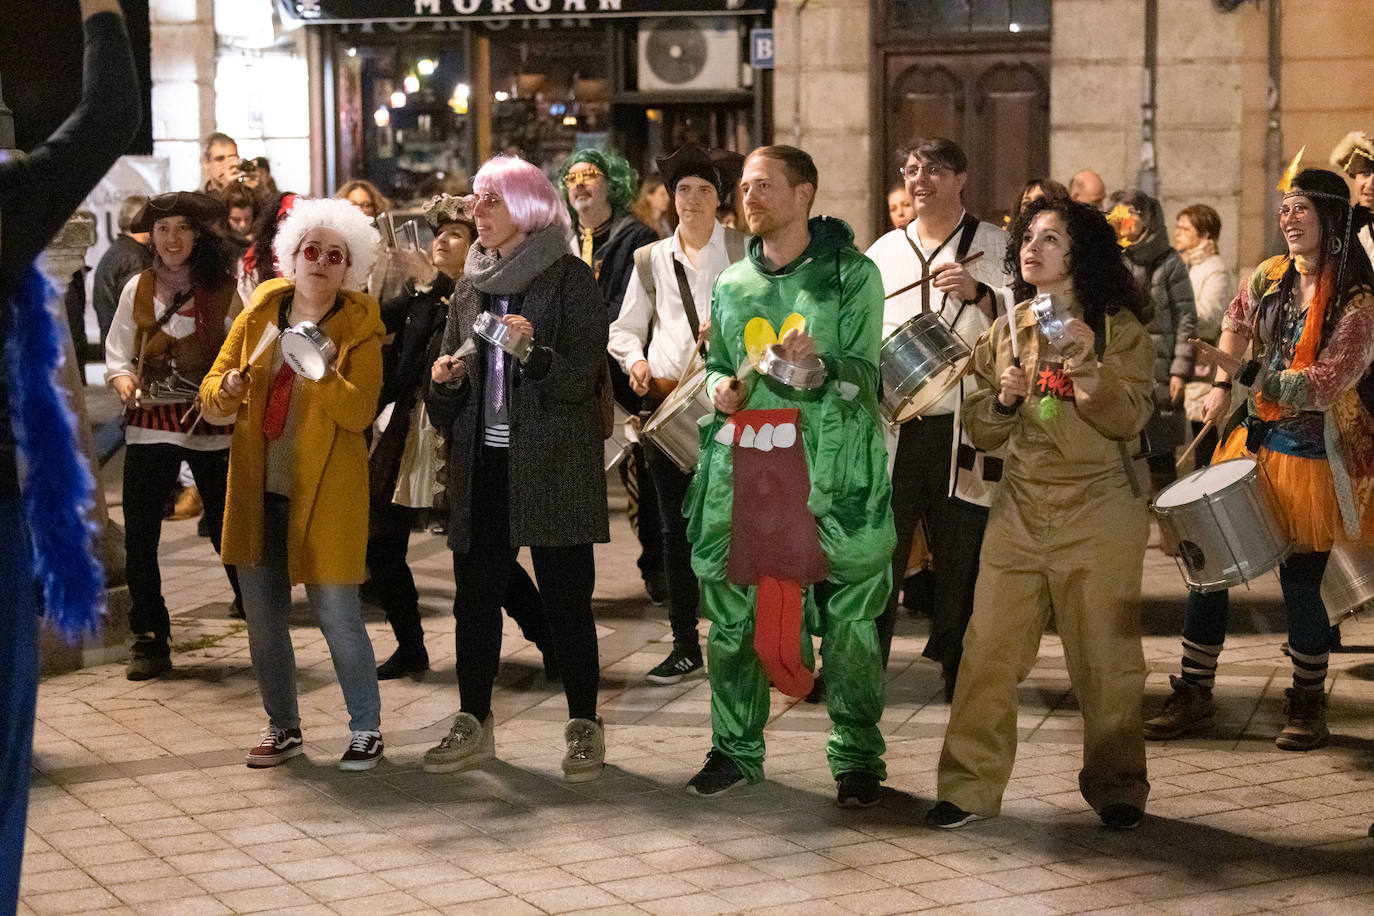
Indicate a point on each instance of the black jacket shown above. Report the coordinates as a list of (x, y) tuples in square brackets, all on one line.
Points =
[(557, 477)]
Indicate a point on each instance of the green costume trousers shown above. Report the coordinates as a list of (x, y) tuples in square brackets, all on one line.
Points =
[(843, 616)]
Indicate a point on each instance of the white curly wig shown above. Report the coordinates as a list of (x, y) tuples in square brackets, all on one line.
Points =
[(330, 213)]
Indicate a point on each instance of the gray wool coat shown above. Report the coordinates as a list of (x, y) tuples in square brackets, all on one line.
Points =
[(557, 478)]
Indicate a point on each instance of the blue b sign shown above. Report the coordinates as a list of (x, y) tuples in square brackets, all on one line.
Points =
[(761, 49)]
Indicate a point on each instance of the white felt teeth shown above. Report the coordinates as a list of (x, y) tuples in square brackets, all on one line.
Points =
[(746, 438), (726, 434), (764, 440), (785, 435)]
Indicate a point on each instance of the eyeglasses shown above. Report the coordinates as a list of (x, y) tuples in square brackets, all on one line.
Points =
[(472, 200), (914, 171), (335, 256), (1295, 211), (581, 176)]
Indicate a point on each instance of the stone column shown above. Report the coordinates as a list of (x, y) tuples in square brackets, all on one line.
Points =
[(836, 110), (183, 73)]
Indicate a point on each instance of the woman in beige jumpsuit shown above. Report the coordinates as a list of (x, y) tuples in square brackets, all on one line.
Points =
[(1066, 532)]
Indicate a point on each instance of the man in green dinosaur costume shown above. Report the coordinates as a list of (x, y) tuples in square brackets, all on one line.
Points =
[(804, 281)]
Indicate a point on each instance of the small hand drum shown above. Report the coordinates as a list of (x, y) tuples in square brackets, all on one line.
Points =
[(494, 331), (805, 375), (308, 351)]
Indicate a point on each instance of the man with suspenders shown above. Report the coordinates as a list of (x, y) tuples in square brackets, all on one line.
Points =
[(667, 308), (936, 478)]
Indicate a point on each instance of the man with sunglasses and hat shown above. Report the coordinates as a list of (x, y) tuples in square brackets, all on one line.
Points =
[(667, 309), (600, 187)]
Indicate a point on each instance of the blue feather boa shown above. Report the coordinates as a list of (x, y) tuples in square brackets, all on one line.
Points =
[(58, 487)]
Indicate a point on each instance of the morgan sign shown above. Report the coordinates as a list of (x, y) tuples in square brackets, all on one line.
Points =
[(325, 11)]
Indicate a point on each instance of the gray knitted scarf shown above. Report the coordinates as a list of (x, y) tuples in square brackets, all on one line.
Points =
[(490, 273)]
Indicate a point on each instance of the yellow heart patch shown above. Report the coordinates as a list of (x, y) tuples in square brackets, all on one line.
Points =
[(759, 334)]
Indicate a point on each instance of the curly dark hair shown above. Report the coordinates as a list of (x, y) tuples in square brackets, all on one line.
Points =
[(212, 260), (1102, 284)]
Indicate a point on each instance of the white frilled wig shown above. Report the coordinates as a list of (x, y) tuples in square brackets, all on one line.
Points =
[(329, 213)]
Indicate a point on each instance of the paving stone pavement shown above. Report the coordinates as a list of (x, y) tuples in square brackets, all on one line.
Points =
[(141, 802)]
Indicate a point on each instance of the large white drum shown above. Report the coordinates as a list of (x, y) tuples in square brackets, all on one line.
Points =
[(1225, 525), (919, 363), (675, 427)]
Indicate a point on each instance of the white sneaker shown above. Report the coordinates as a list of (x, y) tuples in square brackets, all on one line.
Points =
[(467, 744), (586, 754)]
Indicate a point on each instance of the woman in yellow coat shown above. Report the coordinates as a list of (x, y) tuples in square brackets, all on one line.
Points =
[(1066, 531), (296, 509)]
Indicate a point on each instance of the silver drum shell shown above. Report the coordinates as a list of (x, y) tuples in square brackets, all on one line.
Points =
[(1349, 580), (1227, 537), (675, 427), (493, 330), (919, 363)]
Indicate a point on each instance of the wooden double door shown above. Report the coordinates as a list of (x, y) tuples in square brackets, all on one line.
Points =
[(994, 103)]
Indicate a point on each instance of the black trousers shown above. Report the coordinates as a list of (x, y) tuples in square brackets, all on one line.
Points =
[(954, 581), (566, 577), (684, 592), (920, 488), (649, 526), (150, 471), (394, 585)]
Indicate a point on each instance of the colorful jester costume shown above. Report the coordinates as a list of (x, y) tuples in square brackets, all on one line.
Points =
[(835, 294)]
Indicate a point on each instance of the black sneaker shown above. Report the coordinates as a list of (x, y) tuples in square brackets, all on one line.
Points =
[(674, 668), (720, 774), (404, 661), (1121, 816), (149, 657), (949, 816), (364, 751), (857, 789)]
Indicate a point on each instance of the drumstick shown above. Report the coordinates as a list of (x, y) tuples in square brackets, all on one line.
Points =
[(269, 334), (1187, 453), (968, 259)]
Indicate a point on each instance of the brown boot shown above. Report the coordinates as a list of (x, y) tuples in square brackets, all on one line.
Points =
[(188, 505), (1187, 711), (1306, 728)]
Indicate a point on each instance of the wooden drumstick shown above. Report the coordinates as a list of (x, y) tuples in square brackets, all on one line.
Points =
[(1187, 453), (967, 259)]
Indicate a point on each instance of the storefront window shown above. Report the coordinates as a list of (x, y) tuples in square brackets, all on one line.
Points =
[(406, 117), (551, 93)]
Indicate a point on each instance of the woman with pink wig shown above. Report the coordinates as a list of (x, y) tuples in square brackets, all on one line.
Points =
[(525, 459)]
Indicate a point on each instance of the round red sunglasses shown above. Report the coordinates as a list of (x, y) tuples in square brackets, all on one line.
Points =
[(312, 253)]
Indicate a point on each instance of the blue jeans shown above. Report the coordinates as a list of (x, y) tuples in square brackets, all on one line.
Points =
[(18, 692), (267, 608)]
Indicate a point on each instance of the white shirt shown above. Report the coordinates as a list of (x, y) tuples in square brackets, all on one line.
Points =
[(670, 350), (1366, 237), (900, 267), (119, 360)]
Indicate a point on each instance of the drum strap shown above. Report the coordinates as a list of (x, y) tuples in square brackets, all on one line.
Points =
[(689, 304), (967, 228), (285, 309), (1127, 465)]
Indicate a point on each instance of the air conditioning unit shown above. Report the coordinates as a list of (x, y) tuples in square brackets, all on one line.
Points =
[(684, 54)]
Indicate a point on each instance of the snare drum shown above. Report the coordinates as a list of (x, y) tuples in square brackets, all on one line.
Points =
[(1349, 580), (1226, 528), (675, 427), (920, 362), (494, 331), (308, 350)]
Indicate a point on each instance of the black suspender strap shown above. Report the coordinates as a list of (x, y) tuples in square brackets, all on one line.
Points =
[(968, 226)]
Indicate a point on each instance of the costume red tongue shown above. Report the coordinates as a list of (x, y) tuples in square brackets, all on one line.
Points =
[(774, 543)]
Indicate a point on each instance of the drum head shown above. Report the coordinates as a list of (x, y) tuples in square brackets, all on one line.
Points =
[(1205, 482), (303, 356), (928, 394)]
